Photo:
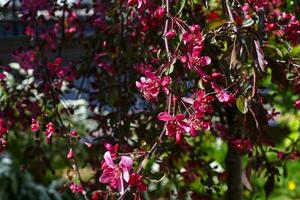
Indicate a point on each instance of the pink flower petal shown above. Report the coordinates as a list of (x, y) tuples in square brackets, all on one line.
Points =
[(164, 116), (185, 126), (186, 37), (126, 176), (120, 185), (107, 175), (108, 160), (125, 163), (205, 60)]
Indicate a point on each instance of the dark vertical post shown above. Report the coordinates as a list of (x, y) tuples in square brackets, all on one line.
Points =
[(234, 169)]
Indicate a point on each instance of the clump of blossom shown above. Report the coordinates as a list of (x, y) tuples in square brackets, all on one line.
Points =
[(150, 85), (292, 30), (201, 106), (75, 188), (176, 125), (26, 59), (193, 42), (202, 103), (222, 95), (196, 123), (115, 174), (56, 67)]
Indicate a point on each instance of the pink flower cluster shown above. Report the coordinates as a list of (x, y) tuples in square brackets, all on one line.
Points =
[(115, 174), (150, 85), (178, 125), (223, 96), (175, 125), (26, 59), (119, 175), (193, 41), (292, 29), (75, 188)]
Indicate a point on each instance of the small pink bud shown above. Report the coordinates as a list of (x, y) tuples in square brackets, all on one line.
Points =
[(70, 154), (170, 34), (35, 126), (159, 12), (74, 134), (2, 76), (109, 147), (131, 2)]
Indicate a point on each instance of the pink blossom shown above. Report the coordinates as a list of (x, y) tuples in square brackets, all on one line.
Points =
[(280, 155), (112, 149), (75, 188), (193, 42), (186, 37), (170, 34), (196, 123), (3, 128), (202, 103), (74, 134), (115, 175), (292, 30), (151, 85), (70, 154), (223, 96), (159, 12), (35, 125), (175, 125), (50, 129), (26, 59), (2, 76), (56, 67)]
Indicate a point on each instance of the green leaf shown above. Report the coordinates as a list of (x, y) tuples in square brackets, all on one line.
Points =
[(242, 104), (196, 1), (272, 51), (179, 6), (248, 22), (295, 51), (171, 68)]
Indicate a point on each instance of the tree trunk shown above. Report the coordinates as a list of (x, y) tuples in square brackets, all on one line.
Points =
[(234, 169)]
